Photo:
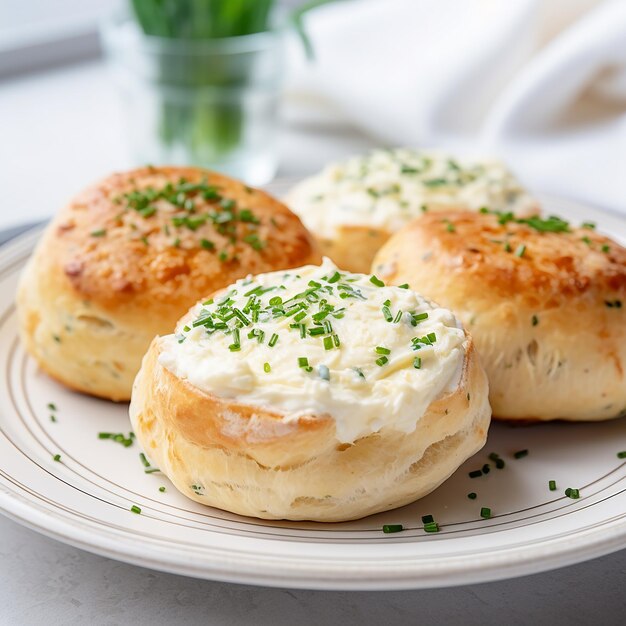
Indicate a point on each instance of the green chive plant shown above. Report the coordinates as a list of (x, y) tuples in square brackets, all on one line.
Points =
[(208, 127)]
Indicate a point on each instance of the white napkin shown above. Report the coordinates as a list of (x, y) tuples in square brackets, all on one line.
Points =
[(542, 83)]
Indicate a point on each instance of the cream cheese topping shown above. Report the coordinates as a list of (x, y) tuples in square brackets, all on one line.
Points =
[(318, 341), (388, 188)]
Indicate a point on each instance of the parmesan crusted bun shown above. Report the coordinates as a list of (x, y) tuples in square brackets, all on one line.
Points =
[(311, 394), (128, 256), (544, 302), (353, 207)]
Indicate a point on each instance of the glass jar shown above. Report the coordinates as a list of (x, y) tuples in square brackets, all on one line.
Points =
[(211, 103)]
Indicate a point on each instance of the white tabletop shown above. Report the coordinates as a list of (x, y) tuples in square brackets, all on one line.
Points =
[(45, 582), (62, 129)]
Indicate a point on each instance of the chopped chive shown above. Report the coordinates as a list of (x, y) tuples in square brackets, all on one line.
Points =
[(534, 320), (254, 242), (206, 244), (433, 527), (398, 317), (273, 340), (376, 281), (500, 463), (382, 350), (431, 337), (574, 494), (318, 317), (605, 248), (589, 225), (328, 343), (144, 460), (621, 455), (162, 489), (303, 361), (52, 406), (475, 473), (101, 232), (383, 360), (135, 509), (472, 495), (406, 169), (486, 468), (241, 317), (419, 317), (118, 438), (485, 512), (520, 251), (417, 363), (427, 519), (403, 286), (392, 528), (151, 470), (57, 458), (259, 334), (267, 368), (450, 227), (552, 485), (520, 454), (387, 314), (334, 278)]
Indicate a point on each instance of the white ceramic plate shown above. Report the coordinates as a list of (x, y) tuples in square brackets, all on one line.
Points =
[(85, 498)]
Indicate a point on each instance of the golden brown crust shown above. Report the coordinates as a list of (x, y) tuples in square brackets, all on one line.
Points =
[(547, 311), (106, 277), (143, 259), (553, 265), (354, 247), (251, 461)]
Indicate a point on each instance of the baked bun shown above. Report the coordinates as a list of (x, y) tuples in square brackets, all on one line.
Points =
[(543, 300), (311, 394), (129, 255), (353, 207)]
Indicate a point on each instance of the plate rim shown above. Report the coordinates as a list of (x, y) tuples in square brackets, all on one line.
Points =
[(325, 575)]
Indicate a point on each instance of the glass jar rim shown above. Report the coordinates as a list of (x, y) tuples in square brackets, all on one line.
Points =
[(122, 29)]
